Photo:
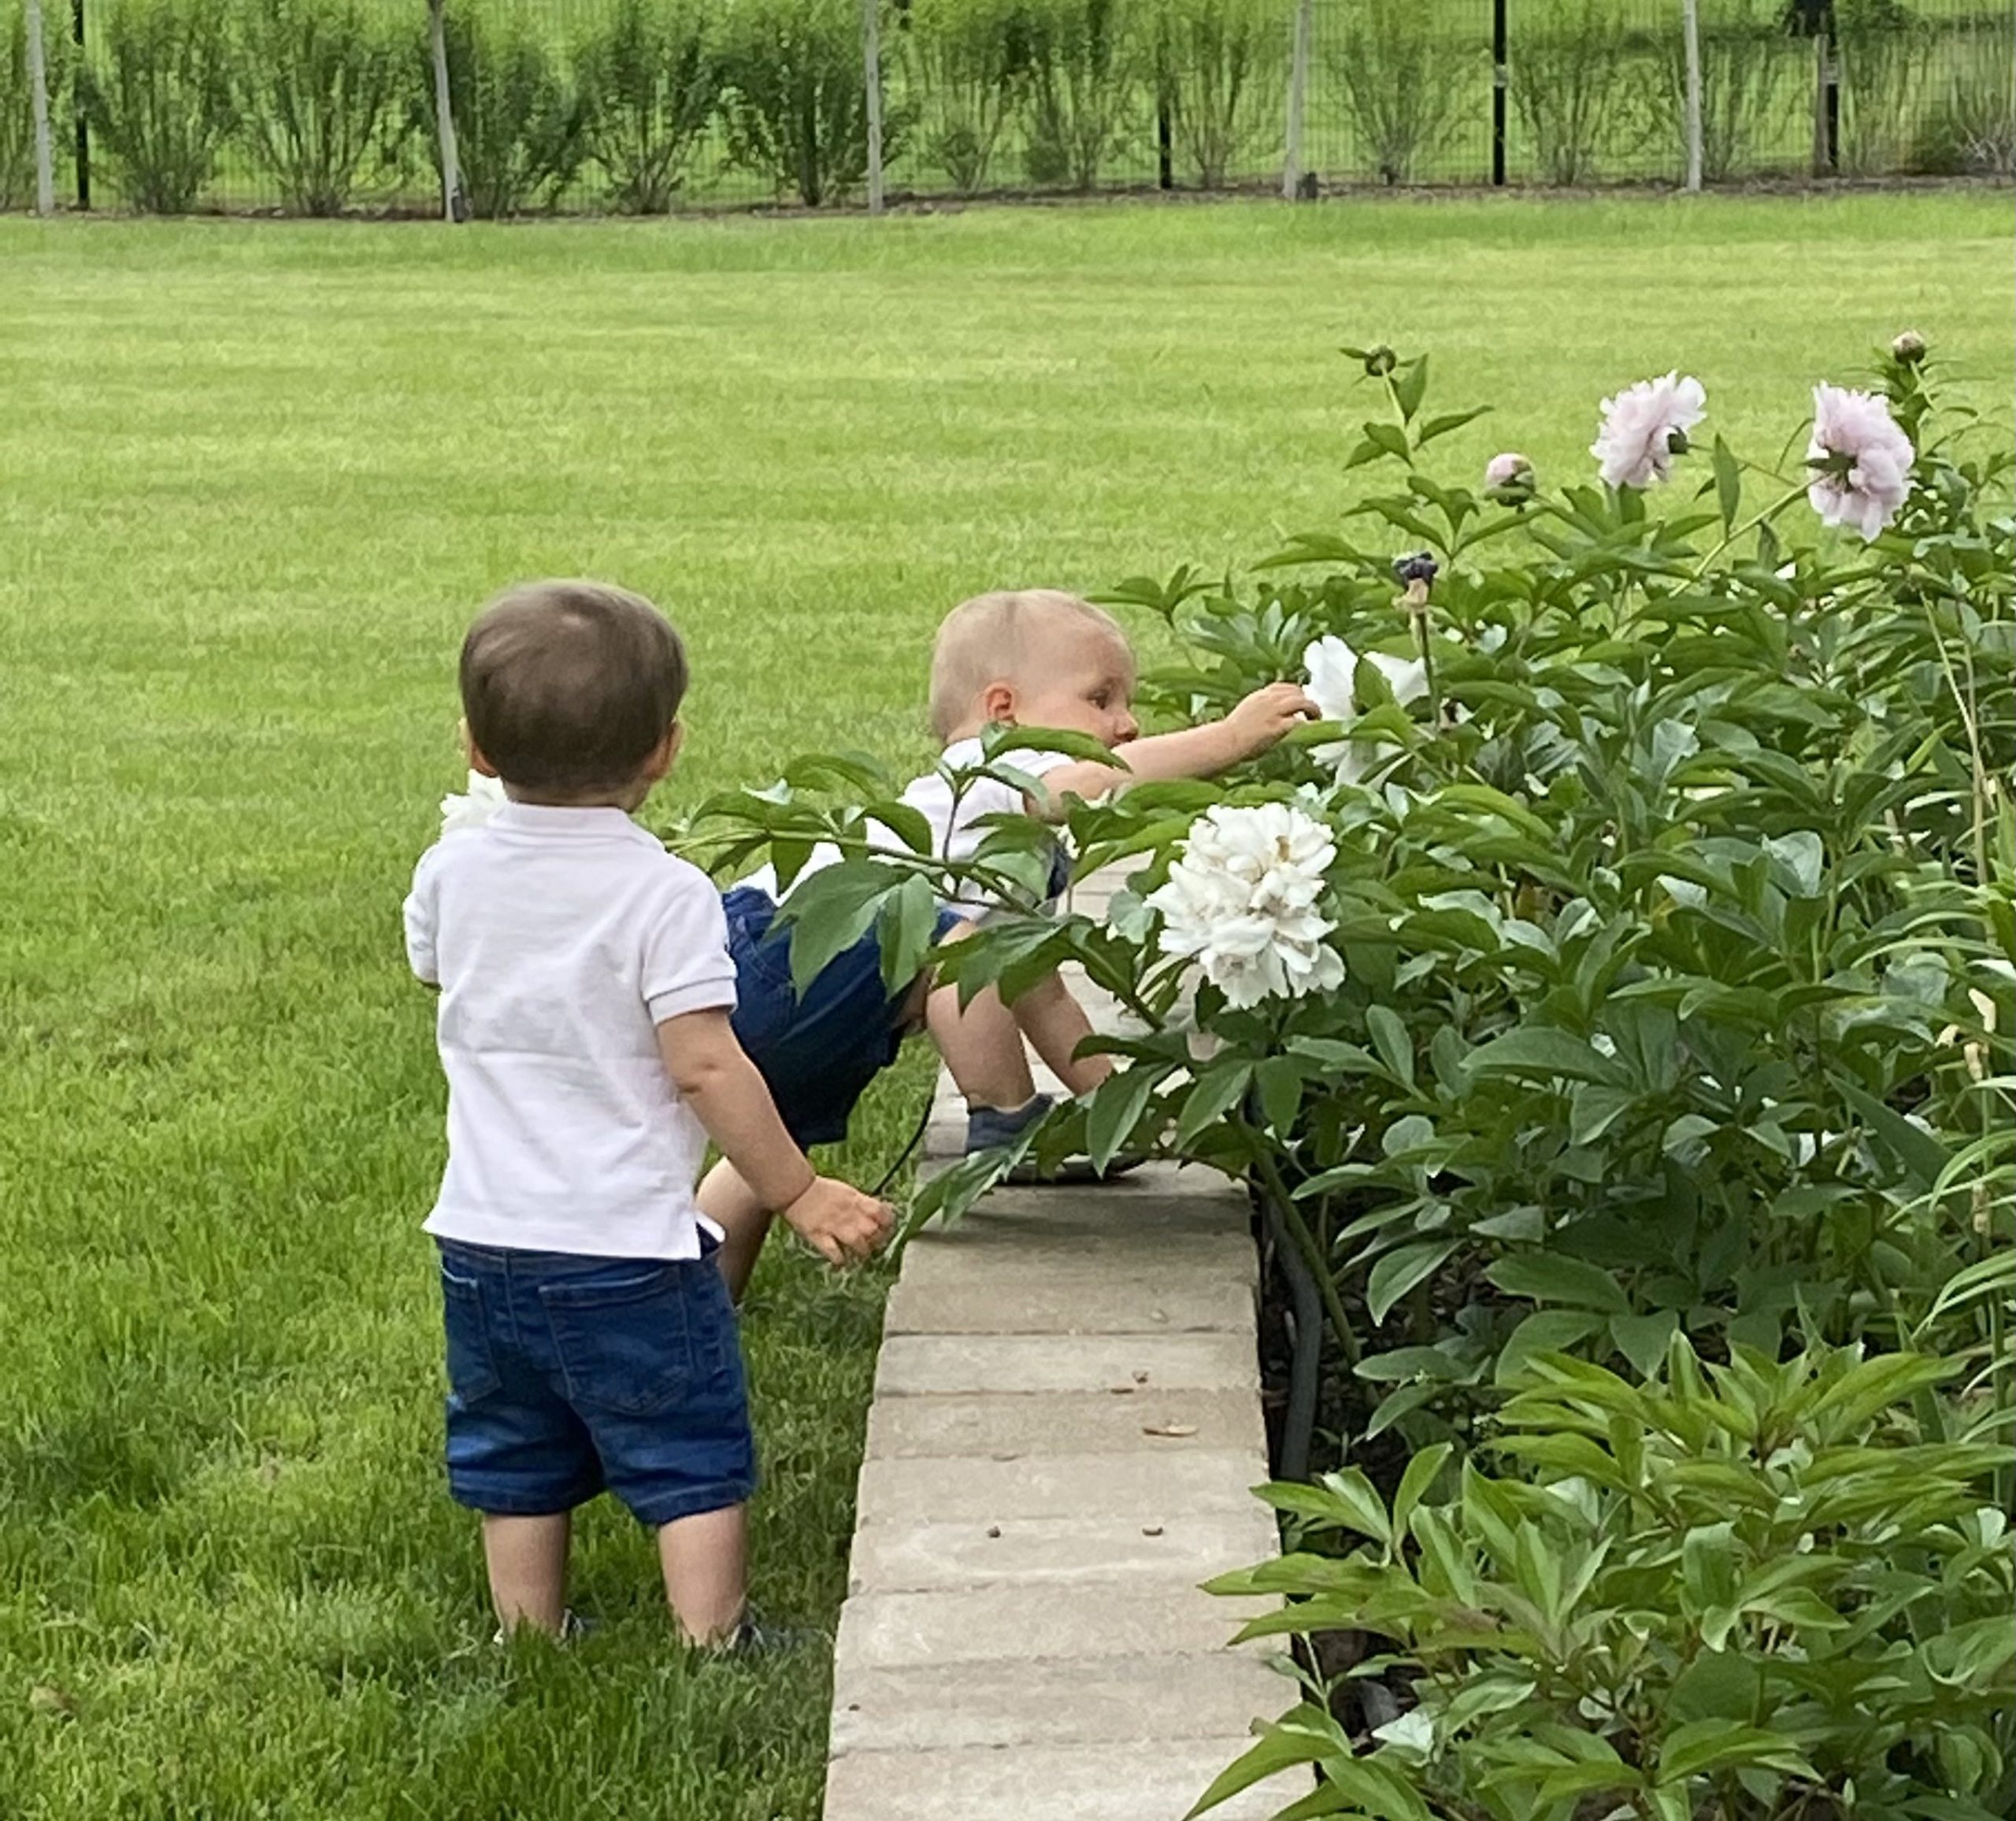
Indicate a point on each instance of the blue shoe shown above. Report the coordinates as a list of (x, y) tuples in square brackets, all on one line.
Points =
[(989, 1128)]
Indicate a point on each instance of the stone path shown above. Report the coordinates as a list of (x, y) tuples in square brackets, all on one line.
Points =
[(1066, 1430)]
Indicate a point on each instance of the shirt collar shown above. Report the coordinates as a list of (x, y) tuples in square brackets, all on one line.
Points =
[(570, 820)]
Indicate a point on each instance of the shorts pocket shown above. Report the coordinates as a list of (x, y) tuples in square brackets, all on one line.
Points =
[(625, 1337), (473, 1373)]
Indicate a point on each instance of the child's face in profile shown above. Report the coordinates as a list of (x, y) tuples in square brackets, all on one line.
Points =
[(1086, 687)]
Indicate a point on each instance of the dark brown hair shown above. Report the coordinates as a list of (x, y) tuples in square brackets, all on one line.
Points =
[(568, 686)]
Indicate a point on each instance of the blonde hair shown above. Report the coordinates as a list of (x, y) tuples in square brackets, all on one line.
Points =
[(998, 636)]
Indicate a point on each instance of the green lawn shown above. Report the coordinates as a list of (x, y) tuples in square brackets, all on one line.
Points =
[(258, 477)]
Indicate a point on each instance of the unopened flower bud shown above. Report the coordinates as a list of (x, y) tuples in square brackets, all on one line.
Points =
[(1420, 566), (1508, 479), (1677, 442), (1908, 350), (1379, 362)]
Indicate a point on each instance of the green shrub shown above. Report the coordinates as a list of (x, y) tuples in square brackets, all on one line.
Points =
[(798, 96), (1569, 85), (1391, 66), (1754, 1593), (969, 62), (1086, 62), (158, 98), (1884, 51), (320, 87), (17, 101), (1968, 125), (518, 119), (650, 79), (1220, 68)]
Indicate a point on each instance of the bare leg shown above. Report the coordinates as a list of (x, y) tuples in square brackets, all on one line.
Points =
[(733, 1206), (982, 1046), (527, 1558), (705, 1561), (1056, 1024)]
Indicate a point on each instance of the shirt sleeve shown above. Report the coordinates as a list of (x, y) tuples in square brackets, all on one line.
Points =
[(688, 967), (422, 919)]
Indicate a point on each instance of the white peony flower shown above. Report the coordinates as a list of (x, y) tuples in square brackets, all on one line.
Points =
[(1331, 666), (1645, 427), (485, 798), (1509, 478), (1862, 461), (1242, 902)]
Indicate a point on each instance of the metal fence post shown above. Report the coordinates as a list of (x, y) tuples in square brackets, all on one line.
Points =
[(1499, 50), (45, 166), (84, 127), (1690, 26), (452, 206), (871, 55), (1305, 25)]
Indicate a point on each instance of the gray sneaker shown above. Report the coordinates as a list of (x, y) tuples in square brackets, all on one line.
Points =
[(993, 1128)]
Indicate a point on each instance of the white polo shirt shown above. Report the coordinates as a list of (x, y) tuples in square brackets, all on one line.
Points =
[(560, 939)]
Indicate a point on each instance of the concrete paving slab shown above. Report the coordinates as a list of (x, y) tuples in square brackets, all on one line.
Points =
[(1141, 1488), (1158, 1781), (1020, 1623), (948, 1292), (1150, 1419), (925, 1365), (1175, 1546), (1056, 1703), (1088, 1250)]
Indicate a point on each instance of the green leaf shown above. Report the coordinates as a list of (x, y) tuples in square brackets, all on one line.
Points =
[(1354, 1503), (1543, 1052), (1390, 1038), (1642, 1339), (1117, 1107), (1213, 1094), (1389, 439), (1303, 1737), (1414, 1482), (1551, 1331), (1550, 1277), (1449, 420), (1701, 1746), (1279, 1081), (1922, 1155), (1398, 1272), (1410, 385), (1729, 484), (904, 926)]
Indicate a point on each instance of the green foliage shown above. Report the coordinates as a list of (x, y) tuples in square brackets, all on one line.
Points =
[(970, 60), (1569, 87), (1390, 65), (158, 99), (320, 85), (1219, 64), (1747, 56), (798, 96), (1086, 61), (1966, 123), (650, 80), (1745, 1591), (519, 120)]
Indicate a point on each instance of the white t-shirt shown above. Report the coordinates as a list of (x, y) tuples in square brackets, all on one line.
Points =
[(957, 831), (560, 939), (953, 835)]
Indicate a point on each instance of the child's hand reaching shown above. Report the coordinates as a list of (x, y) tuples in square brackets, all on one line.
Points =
[(1268, 715), (839, 1222)]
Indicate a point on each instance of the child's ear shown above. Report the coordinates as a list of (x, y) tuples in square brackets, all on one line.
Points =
[(478, 764), (997, 702), (668, 749)]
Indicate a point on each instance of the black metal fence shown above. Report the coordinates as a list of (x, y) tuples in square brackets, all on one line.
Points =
[(326, 106)]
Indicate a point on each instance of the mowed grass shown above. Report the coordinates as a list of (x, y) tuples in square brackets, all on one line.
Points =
[(258, 477)]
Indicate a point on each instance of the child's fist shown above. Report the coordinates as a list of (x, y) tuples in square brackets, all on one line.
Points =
[(1268, 715), (840, 1223)]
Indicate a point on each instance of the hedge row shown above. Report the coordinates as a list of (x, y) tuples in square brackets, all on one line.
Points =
[(630, 104)]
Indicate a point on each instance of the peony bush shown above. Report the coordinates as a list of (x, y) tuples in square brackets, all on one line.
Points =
[(1612, 994)]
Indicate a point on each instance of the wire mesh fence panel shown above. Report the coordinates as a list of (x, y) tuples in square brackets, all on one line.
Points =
[(323, 107)]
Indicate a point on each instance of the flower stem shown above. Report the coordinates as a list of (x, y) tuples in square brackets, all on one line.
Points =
[(1744, 530), (1304, 1242)]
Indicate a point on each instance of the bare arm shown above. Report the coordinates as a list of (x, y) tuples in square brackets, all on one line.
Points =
[(1256, 723), (729, 1098)]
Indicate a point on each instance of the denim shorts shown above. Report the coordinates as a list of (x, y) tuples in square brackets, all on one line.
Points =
[(817, 1051), (568, 1375)]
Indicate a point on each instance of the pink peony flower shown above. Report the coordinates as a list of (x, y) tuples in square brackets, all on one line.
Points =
[(1645, 428), (1860, 461), (1508, 479)]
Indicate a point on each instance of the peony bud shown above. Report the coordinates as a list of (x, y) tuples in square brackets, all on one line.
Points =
[(1379, 362), (1509, 479), (1420, 566), (1908, 350)]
